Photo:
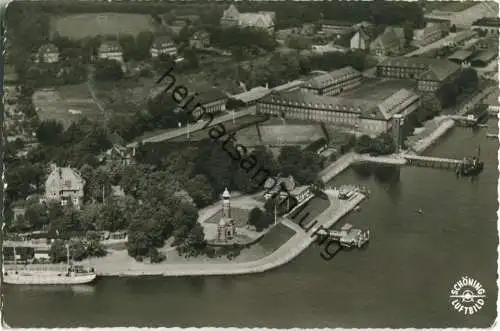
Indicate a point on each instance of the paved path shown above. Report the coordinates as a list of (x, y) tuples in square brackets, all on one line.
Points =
[(174, 133), (292, 248)]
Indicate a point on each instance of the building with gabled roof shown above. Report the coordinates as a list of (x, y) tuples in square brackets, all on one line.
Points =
[(264, 20), (461, 57), (163, 45), (334, 82), (429, 73), (361, 39), (65, 185), (391, 41)]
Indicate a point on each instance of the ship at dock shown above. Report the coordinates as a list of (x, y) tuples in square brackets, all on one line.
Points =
[(39, 275), (470, 166)]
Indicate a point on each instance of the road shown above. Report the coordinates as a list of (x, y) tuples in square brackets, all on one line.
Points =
[(174, 133)]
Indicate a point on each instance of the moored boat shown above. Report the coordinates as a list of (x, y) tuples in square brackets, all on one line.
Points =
[(72, 275)]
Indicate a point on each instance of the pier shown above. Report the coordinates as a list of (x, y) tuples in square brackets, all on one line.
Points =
[(347, 236), (468, 120), (432, 162)]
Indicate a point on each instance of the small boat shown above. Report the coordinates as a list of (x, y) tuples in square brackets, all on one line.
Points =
[(420, 211), (491, 135), (357, 208), (482, 125)]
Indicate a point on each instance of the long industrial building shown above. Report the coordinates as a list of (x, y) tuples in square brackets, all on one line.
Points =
[(334, 82), (369, 116)]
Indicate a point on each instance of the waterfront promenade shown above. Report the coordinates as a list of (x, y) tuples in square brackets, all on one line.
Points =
[(120, 264)]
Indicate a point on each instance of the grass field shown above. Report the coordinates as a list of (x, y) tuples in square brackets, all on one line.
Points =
[(79, 26), (66, 104), (290, 133), (276, 237)]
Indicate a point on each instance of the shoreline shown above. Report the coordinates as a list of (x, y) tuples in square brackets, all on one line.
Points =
[(284, 254)]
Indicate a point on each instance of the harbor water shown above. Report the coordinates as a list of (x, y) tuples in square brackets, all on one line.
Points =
[(402, 278)]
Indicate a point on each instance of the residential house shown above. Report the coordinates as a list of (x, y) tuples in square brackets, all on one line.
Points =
[(391, 41), (429, 34), (200, 39), (334, 82), (185, 20), (48, 53), (336, 29), (110, 50), (66, 185), (361, 39), (260, 20), (119, 152), (430, 74), (163, 45), (488, 25)]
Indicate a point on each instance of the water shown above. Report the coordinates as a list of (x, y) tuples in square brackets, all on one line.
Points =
[(402, 279)]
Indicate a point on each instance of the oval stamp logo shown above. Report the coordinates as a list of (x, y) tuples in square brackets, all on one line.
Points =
[(467, 295)]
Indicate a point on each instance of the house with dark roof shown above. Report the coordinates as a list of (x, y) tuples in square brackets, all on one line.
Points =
[(163, 45), (461, 57), (391, 41), (483, 58), (430, 74), (334, 82), (488, 25), (48, 53)]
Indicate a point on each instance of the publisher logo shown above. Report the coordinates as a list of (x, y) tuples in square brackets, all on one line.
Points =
[(467, 295)]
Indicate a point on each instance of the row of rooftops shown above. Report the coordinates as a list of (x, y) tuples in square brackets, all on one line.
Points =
[(434, 69), (159, 43), (330, 78), (365, 108)]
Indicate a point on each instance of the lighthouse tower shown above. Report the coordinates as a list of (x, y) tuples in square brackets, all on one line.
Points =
[(226, 228), (226, 204)]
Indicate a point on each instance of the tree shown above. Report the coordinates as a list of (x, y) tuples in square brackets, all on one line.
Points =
[(49, 132), (408, 32), (363, 144), (383, 145), (108, 70), (468, 80), (58, 252), (200, 190), (453, 28)]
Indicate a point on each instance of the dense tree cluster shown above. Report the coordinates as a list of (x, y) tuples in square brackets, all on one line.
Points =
[(260, 219), (242, 41), (383, 144)]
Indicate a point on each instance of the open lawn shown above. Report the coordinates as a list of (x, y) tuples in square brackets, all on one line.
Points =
[(79, 26), (379, 89), (66, 104), (276, 237), (290, 133)]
